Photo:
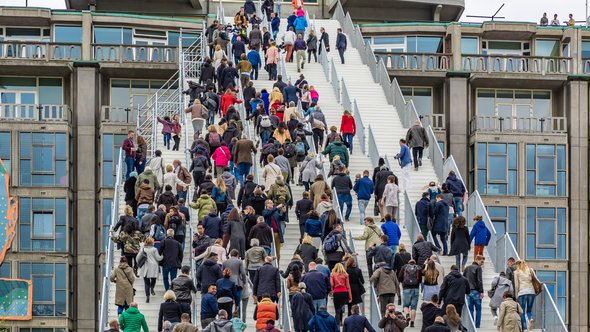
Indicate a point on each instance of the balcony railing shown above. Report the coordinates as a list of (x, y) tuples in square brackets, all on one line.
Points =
[(32, 112), (39, 51), (118, 114), (586, 63), (135, 53), (556, 125), (415, 61), (516, 64), (436, 121)]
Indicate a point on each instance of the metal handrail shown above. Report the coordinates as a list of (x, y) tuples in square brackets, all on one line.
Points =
[(334, 80), (324, 61), (108, 263)]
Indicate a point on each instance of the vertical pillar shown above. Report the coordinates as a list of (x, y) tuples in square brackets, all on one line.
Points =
[(85, 225), (455, 31), (457, 119), (86, 35), (577, 117)]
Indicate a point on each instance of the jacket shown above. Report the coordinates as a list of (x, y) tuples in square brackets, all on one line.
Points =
[(429, 313), (422, 250), (313, 227), (302, 209), (422, 211), (473, 274), (169, 311), (509, 316), (342, 184), (390, 194), (267, 281), (454, 288), (172, 252), (131, 320), (300, 23), (337, 148), (397, 324), (417, 137), (309, 169), (290, 94), (255, 41), (254, 258), (405, 157), (440, 217), (438, 327), (145, 194), (385, 281), (364, 188), (523, 282), (129, 188), (254, 58), (207, 73), (151, 177), (249, 7), (263, 233), (341, 283), (356, 323), (205, 204), (392, 230), (348, 125), (325, 40), (341, 42), (381, 181), (209, 307), (312, 43), (460, 243), (124, 278), (317, 284), (183, 286), (264, 311), (208, 273), (455, 186), (382, 254), (220, 325), (272, 55), (371, 235), (500, 285), (150, 268), (243, 151), (480, 233), (197, 111), (308, 254), (167, 198), (323, 322), (400, 259), (302, 310), (127, 145)]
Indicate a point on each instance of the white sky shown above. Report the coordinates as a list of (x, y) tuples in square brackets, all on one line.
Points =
[(514, 10)]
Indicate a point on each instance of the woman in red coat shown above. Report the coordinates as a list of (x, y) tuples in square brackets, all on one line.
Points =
[(348, 128), (227, 100)]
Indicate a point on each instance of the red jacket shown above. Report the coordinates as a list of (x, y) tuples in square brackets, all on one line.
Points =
[(347, 125), (264, 311), (341, 283), (227, 100), (222, 156)]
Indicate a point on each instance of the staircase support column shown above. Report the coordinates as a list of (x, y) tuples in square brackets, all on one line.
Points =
[(457, 119)]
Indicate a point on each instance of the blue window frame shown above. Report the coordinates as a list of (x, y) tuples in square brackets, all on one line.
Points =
[(497, 169), (5, 148), (43, 159), (43, 224), (546, 233), (50, 290), (505, 220), (111, 143), (546, 170), (556, 282)]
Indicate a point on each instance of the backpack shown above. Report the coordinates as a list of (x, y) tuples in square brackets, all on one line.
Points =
[(214, 139), (281, 195), (331, 243), (265, 121), (159, 233), (289, 150), (174, 222), (317, 124), (300, 149), (269, 149), (411, 274)]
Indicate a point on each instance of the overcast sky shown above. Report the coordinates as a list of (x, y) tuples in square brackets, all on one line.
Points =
[(514, 10)]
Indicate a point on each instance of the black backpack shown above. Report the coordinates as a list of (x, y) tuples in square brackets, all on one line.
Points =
[(289, 150), (411, 275)]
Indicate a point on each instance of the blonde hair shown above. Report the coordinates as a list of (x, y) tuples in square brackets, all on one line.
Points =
[(169, 168), (212, 129), (306, 239), (336, 157), (401, 247), (311, 154), (169, 295), (128, 210), (149, 241), (339, 269), (270, 158), (220, 184), (197, 101), (521, 266)]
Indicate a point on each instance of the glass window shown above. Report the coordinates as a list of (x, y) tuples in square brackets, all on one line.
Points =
[(514, 103), (546, 170), (43, 224), (106, 35), (50, 91), (546, 47), (41, 329), (111, 143), (43, 159), (586, 49), (556, 282), (505, 220), (422, 97), (107, 205), (49, 287), (389, 40), (5, 149), (67, 34), (469, 45), (546, 234), (497, 169)]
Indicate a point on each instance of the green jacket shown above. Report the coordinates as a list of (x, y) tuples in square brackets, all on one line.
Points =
[(151, 176), (337, 148), (204, 204), (131, 320)]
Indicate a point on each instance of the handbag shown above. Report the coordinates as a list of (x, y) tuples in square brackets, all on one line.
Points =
[(493, 290), (537, 285), (141, 259)]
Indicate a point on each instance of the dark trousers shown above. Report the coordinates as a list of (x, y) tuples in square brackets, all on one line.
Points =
[(149, 284), (301, 232), (176, 139), (341, 53), (185, 307), (315, 55), (340, 300), (369, 262), (384, 300), (272, 71), (417, 154), (318, 138), (254, 73), (198, 177)]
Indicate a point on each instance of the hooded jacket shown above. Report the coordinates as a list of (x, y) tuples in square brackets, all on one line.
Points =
[(220, 325), (455, 186), (371, 235), (382, 254), (480, 233), (385, 281), (347, 125), (152, 178), (392, 230), (422, 250), (208, 273), (145, 194), (454, 288), (205, 204), (337, 148), (131, 320), (364, 188), (323, 322), (500, 285)]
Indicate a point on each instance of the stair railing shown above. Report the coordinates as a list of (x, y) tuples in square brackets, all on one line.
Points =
[(324, 61), (334, 80), (352, 107)]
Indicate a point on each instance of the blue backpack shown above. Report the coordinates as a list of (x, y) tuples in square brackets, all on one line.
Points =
[(300, 149), (331, 243), (159, 233)]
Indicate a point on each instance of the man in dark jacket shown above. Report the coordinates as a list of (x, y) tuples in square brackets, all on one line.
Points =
[(183, 287), (440, 226), (238, 48), (209, 272), (246, 191), (341, 44), (322, 321), (422, 211), (302, 308), (267, 281), (228, 76), (263, 233), (212, 225), (510, 268), (209, 307), (342, 184), (453, 289), (172, 261), (392, 320), (324, 40), (458, 190), (207, 72), (290, 93), (380, 183), (382, 254), (422, 250), (318, 286), (430, 310), (356, 322), (417, 139), (337, 148), (302, 209), (474, 275), (280, 84), (438, 326)]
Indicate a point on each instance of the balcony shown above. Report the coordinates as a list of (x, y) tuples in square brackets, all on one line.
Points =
[(494, 124), (420, 62), (123, 115), (32, 112), (586, 64), (135, 53), (437, 121), (479, 63), (39, 51)]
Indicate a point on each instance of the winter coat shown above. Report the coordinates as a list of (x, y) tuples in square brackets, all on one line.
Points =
[(267, 281), (263, 233), (417, 137), (460, 243), (237, 236), (145, 194), (183, 286), (390, 194), (509, 316), (172, 252), (207, 73), (221, 156), (129, 188), (317, 284), (308, 254), (364, 188), (455, 186), (392, 230), (357, 288), (422, 211), (341, 183), (205, 204), (422, 250), (151, 268), (123, 277), (480, 233), (325, 39), (454, 288), (220, 325), (255, 60), (254, 258), (300, 23), (310, 169), (312, 43), (501, 285), (208, 273), (348, 125), (152, 178), (356, 323), (302, 209), (236, 266), (169, 311), (270, 174), (337, 148), (372, 236), (474, 275), (302, 310), (131, 320), (243, 151), (322, 321), (167, 198), (385, 281), (441, 217), (265, 310), (249, 7), (382, 254), (381, 181)]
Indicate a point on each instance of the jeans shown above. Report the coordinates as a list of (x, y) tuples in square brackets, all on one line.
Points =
[(526, 302), (345, 199), (443, 238), (362, 207), (474, 304), (211, 118), (167, 137), (139, 165), (417, 155), (130, 164), (411, 298), (168, 270), (254, 73), (264, 136), (121, 308), (198, 125), (460, 262), (306, 185), (141, 211), (393, 248), (272, 71), (176, 139), (348, 138), (315, 55), (198, 177), (319, 303), (369, 261), (149, 284), (181, 194), (243, 170), (341, 53), (459, 205)]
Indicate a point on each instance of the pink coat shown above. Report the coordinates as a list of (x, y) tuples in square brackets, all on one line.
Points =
[(272, 55), (222, 156), (300, 12)]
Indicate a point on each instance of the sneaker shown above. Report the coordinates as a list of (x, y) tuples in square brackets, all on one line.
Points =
[(412, 324), (531, 324), (495, 320), (153, 292), (147, 299)]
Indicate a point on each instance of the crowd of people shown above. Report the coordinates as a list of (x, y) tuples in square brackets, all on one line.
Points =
[(238, 220), (544, 21)]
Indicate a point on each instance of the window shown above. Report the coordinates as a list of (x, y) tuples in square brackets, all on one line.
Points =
[(68, 34), (556, 282), (31, 90), (49, 287), (107, 205), (43, 224), (497, 169), (422, 97), (410, 44), (5, 149), (505, 220), (546, 233), (113, 35), (43, 159), (41, 329), (469, 45), (514, 104), (111, 143), (547, 47), (133, 93), (546, 170)]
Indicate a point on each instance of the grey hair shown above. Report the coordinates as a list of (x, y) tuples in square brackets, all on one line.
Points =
[(291, 103), (167, 325), (254, 243)]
